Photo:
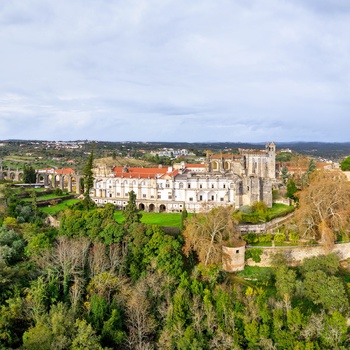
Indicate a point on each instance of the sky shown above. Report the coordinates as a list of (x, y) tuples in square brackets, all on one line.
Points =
[(161, 70)]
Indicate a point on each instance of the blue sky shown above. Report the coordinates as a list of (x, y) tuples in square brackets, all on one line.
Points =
[(159, 70)]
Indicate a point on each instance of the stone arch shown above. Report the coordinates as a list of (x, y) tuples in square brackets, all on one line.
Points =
[(141, 207), (227, 165), (12, 176), (162, 208), (151, 208), (215, 166)]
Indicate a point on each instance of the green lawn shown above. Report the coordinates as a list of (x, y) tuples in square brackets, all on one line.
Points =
[(55, 209), (162, 219), (279, 208)]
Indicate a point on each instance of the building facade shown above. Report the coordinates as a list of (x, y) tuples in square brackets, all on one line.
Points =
[(223, 179)]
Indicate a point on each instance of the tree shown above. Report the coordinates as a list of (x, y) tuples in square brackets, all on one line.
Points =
[(86, 337), (291, 189), (205, 234), (324, 206), (285, 174), (345, 164), (88, 181), (29, 175), (131, 213), (184, 216)]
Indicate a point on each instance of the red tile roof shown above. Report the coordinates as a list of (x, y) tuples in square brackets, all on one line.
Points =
[(143, 173)]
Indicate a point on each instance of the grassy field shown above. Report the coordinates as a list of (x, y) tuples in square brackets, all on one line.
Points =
[(278, 208), (162, 219), (55, 209)]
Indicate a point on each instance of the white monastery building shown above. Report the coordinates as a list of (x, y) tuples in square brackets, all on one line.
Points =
[(223, 179)]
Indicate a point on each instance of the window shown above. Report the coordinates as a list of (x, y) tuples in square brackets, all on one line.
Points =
[(159, 196), (200, 197), (212, 185), (189, 186), (221, 199), (237, 251), (126, 194), (118, 194), (152, 197), (200, 186), (144, 196), (169, 196), (212, 198), (110, 194), (191, 199), (224, 186), (181, 185), (167, 185)]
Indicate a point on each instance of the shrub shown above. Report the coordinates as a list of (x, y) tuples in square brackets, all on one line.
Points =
[(280, 237), (265, 238), (58, 192), (254, 254), (251, 238), (293, 236)]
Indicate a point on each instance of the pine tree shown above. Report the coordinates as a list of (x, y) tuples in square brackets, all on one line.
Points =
[(88, 181), (131, 213)]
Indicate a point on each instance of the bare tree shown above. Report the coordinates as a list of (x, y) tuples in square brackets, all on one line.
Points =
[(98, 259), (324, 206), (139, 320), (205, 234)]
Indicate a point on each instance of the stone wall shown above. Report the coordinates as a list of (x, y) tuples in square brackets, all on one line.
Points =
[(233, 258), (295, 255)]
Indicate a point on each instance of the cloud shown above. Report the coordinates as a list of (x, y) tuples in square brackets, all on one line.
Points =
[(175, 70)]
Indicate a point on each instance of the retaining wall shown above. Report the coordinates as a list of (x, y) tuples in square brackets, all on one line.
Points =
[(295, 255)]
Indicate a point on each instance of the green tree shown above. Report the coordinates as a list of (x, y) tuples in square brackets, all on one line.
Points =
[(29, 175), (285, 174), (291, 189), (345, 164), (88, 181), (285, 282), (184, 216), (131, 213), (311, 167), (86, 338)]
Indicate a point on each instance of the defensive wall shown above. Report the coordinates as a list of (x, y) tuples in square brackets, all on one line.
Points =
[(295, 255)]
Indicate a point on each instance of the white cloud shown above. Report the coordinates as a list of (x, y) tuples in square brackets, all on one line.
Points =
[(173, 70)]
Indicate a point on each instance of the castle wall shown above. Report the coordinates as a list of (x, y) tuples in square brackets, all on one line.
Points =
[(296, 255), (233, 258)]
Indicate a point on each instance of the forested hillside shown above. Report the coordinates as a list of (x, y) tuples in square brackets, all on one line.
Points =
[(95, 284)]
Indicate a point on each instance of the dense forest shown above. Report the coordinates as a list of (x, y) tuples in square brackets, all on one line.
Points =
[(93, 283)]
